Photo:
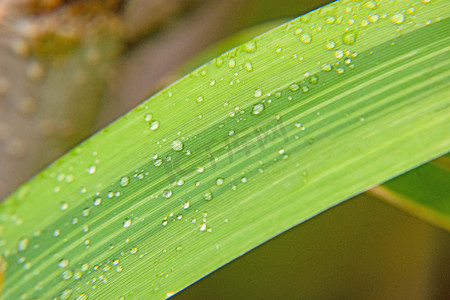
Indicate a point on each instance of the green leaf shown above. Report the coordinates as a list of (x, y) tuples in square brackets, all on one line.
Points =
[(264, 137), (423, 192)]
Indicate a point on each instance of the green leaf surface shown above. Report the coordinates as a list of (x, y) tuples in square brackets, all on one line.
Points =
[(262, 138)]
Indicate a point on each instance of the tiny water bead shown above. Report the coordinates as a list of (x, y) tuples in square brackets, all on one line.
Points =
[(398, 18), (124, 181), (306, 38), (327, 67), (339, 54), (126, 223), (250, 47), (148, 117), (349, 38), (294, 87), (82, 297), (22, 245), (177, 145), (314, 79), (154, 125), (133, 250), (208, 196), (330, 44), (248, 66), (66, 294), (257, 108), (92, 169), (219, 181), (258, 93), (66, 275), (167, 193), (63, 263), (97, 201), (86, 212), (64, 206)]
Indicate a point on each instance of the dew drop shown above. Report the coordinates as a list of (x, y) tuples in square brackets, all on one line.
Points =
[(306, 38), (208, 196), (200, 99), (126, 223), (327, 67), (154, 125), (84, 267), (314, 79), (349, 38), (124, 181), (258, 93), (331, 44), (177, 145), (66, 294), (22, 245), (219, 181), (339, 54), (219, 61), (257, 108), (148, 117), (82, 297), (179, 249), (294, 87), (86, 212), (64, 206), (248, 66), (63, 263), (232, 63), (373, 18), (167, 193), (92, 169), (133, 250), (66, 275), (186, 205), (398, 18), (250, 47)]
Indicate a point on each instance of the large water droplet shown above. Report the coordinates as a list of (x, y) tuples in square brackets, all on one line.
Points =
[(349, 38), (22, 245), (63, 263), (167, 193), (154, 125), (250, 46), (177, 145), (126, 223), (92, 169), (66, 275), (257, 108), (306, 38), (124, 181), (331, 44), (294, 87), (208, 196), (398, 18)]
